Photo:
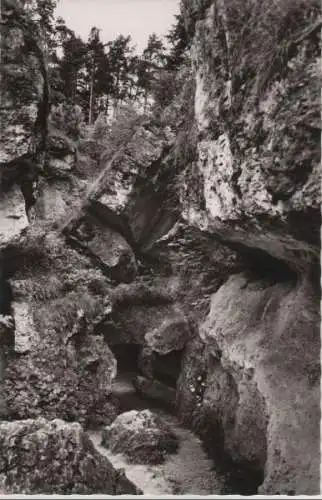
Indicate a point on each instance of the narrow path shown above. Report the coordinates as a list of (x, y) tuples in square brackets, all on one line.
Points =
[(187, 472)]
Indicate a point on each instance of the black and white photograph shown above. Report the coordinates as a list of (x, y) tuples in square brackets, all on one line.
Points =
[(160, 218)]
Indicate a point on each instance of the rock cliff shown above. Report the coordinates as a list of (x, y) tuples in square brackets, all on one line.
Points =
[(192, 257), (256, 108)]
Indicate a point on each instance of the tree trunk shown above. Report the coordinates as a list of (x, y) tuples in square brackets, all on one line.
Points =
[(91, 100)]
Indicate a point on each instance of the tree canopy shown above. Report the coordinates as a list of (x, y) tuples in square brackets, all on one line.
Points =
[(98, 76)]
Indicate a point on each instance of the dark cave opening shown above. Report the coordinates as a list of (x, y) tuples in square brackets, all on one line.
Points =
[(5, 296), (135, 391), (262, 265), (127, 357), (167, 367), (164, 368), (139, 385)]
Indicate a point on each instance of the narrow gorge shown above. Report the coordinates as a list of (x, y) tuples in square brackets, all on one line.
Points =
[(176, 272)]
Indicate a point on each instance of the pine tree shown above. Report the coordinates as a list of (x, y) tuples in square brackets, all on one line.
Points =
[(100, 79), (149, 65), (42, 13), (72, 64), (120, 53), (179, 43)]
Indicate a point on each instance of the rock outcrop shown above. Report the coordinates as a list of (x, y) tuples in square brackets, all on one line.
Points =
[(141, 436), (24, 88), (257, 113), (268, 337), (258, 174), (56, 458), (23, 114)]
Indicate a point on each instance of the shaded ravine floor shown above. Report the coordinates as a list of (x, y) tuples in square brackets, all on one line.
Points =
[(189, 471)]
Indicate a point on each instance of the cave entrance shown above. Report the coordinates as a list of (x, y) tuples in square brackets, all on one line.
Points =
[(127, 357), (5, 297), (164, 368), (167, 368), (137, 387)]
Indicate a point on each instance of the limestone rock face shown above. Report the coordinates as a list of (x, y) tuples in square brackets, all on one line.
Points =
[(61, 155), (252, 374), (13, 217), (59, 193), (107, 246), (23, 85), (268, 335), (126, 195), (63, 369), (26, 337), (53, 456), (257, 114), (141, 436), (171, 335)]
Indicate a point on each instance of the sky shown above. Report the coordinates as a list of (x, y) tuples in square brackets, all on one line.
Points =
[(137, 18)]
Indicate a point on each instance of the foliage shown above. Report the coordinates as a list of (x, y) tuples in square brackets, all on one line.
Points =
[(179, 42), (101, 128), (42, 13), (264, 36), (102, 77), (68, 119), (120, 131), (164, 89)]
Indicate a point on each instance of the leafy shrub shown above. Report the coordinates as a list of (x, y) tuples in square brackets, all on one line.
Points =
[(101, 128), (164, 89), (120, 131), (68, 119)]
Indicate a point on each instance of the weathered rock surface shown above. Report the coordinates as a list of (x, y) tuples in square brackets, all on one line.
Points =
[(53, 457), (23, 84), (107, 246), (127, 194), (155, 390), (211, 225), (257, 113), (63, 369), (61, 155), (254, 374), (26, 336), (161, 327), (171, 335), (141, 436), (13, 217), (268, 335)]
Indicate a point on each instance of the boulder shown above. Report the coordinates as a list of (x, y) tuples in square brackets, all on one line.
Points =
[(156, 391), (61, 155), (106, 245), (126, 194), (162, 328), (141, 436), (116, 186), (171, 335), (53, 457)]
